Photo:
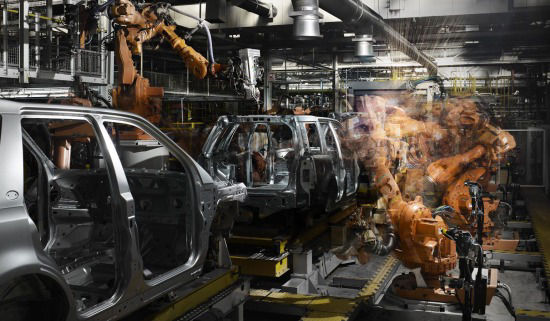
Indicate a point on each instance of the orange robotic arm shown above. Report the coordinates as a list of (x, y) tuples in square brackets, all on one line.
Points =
[(134, 92), (421, 242), (444, 171), (458, 197), (148, 26), (492, 143), (399, 125)]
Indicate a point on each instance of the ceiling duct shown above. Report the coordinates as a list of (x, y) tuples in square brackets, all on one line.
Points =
[(262, 9), (306, 17), (364, 49), (359, 16)]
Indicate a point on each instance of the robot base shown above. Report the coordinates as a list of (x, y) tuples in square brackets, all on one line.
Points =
[(407, 287)]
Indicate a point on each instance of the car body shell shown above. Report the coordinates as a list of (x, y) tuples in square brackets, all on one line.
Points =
[(21, 252), (314, 173)]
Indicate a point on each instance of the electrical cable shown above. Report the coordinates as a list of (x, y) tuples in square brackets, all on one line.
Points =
[(102, 7), (507, 304), (202, 25), (507, 288), (508, 205)]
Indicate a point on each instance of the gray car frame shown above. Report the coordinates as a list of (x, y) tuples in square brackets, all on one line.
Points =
[(323, 176), (22, 256)]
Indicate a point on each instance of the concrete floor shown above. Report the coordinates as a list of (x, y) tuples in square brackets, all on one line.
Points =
[(525, 295)]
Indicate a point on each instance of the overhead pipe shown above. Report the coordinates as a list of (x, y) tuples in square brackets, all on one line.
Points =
[(306, 19), (262, 9), (358, 15)]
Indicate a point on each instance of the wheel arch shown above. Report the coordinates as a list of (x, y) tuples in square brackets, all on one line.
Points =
[(49, 284)]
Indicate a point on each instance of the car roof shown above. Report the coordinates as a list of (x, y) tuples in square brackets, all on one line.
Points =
[(261, 118), (15, 107)]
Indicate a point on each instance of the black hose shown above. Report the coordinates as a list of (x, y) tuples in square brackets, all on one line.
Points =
[(507, 304), (262, 9), (381, 247), (99, 8), (105, 101), (505, 286)]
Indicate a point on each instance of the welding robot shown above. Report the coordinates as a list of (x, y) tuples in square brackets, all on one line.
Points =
[(429, 240), (137, 23)]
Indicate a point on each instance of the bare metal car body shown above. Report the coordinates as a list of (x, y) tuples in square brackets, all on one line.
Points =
[(26, 257), (305, 162)]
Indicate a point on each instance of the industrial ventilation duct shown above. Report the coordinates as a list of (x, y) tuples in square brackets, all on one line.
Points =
[(306, 17), (364, 49), (359, 16), (262, 9)]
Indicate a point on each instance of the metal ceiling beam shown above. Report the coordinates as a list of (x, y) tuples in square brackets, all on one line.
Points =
[(442, 62), (301, 62)]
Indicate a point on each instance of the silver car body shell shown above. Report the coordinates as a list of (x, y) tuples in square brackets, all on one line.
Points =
[(300, 189), (21, 252)]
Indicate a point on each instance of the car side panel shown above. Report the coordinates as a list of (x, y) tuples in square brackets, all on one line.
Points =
[(20, 248)]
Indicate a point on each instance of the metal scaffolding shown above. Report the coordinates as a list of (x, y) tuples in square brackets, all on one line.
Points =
[(39, 48)]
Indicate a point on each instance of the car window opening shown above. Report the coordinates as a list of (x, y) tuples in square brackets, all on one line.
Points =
[(258, 155), (161, 190), (73, 209)]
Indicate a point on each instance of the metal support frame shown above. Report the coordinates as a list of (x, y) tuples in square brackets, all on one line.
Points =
[(49, 33), (23, 42), (331, 307), (5, 37), (13, 72), (25, 67), (107, 61), (545, 177), (37, 41), (335, 83), (75, 42), (304, 279), (217, 291), (187, 81), (392, 307), (519, 225), (274, 264), (17, 92), (516, 256), (268, 85), (110, 73)]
